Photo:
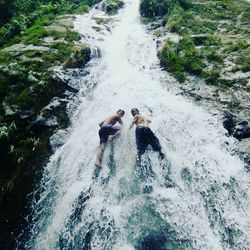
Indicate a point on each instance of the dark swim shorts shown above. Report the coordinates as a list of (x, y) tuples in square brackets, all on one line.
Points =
[(106, 131), (144, 137)]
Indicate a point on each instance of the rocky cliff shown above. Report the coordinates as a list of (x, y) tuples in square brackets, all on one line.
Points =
[(205, 46)]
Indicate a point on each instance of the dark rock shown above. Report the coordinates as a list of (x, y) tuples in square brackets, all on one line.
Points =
[(242, 130), (70, 78), (235, 126), (52, 116), (199, 39), (67, 78), (58, 139), (79, 59), (72, 89), (96, 53), (60, 76), (155, 25), (44, 123), (154, 8), (26, 114), (247, 162), (10, 110), (229, 122), (112, 6)]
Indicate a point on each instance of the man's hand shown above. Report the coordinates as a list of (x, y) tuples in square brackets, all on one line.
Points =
[(101, 123), (112, 137), (131, 125), (133, 122)]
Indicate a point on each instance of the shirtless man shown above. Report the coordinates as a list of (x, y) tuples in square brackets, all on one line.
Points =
[(144, 135), (107, 129)]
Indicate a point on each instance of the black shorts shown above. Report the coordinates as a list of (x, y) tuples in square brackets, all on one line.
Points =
[(106, 131), (144, 137)]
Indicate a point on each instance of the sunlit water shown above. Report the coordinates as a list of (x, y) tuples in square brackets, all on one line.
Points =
[(197, 199)]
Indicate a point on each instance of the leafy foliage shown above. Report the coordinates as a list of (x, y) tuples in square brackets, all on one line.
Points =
[(151, 8), (7, 131), (181, 57), (112, 6), (23, 13)]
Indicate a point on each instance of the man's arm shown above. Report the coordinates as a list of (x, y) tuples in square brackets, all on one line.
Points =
[(119, 120), (112, 137), (101, 123), (133, 122)]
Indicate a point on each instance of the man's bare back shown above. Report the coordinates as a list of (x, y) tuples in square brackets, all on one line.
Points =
[(140, 120), (111, 120), (144, 135), (108, 131)]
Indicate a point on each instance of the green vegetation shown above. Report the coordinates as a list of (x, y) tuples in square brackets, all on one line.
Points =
[(243, 63), (158, 33), (152, 8), (112, 6), (175, 19), (181, 57), (237, 46), (211, 76), (35, 36), (211, 32), (170, 59), (101, 20), (25, 78), (22, 14)]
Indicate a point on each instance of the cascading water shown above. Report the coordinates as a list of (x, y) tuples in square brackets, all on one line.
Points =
[(197, 199)]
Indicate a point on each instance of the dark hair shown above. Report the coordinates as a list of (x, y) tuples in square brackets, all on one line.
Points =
[(134, 109), (121, 110)]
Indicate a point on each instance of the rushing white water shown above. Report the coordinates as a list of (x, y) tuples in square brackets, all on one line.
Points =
[(205, 206)]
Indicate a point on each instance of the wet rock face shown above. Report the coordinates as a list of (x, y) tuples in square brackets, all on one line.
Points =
[(52, 116), (33, 100), (79, 58), (242, 130), (112, 6), (235, 126), (153, 242), (243, 152), (153, 8)]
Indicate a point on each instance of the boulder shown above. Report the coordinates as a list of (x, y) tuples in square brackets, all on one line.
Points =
[(235, 126), (20, 47), (79, 58), (229, 122), (242, 130), (58, 139), (51, 116), (112, 6), (10, 110)]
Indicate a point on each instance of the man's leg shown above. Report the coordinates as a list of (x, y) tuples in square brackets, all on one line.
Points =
[(155, 144), (134, 159), (141, 144), (99, 155)]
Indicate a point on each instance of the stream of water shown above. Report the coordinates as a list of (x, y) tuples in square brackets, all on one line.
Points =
[(196, 199)]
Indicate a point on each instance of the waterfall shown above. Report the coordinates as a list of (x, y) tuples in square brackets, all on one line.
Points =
[(196, 199)]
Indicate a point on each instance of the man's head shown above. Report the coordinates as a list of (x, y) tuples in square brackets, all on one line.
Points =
[(120, 112), (134, 111)]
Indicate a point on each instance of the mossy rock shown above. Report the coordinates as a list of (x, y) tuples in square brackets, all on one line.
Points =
[(158, 33), (149, 8), (79, 58), (102, 20), (112, 6), (206, 39)]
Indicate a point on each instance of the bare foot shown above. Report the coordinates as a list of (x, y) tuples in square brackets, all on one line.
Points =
[(162, 156)]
